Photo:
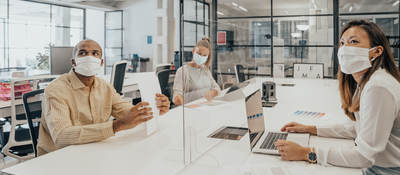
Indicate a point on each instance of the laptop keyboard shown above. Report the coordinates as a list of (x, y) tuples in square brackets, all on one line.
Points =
[(271, 138)]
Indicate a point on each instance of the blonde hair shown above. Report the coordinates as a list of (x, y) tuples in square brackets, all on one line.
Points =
[(205, 42)]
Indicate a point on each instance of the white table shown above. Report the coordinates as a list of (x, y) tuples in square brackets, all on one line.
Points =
[(229, 157), (131, 152)]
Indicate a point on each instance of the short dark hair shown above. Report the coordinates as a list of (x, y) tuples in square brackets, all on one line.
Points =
[(75, 50)]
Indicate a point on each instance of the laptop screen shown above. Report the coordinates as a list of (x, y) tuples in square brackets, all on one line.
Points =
[(255, 117)]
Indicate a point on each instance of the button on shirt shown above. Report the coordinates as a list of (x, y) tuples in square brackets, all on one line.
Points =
[(376, 130), (76, 114)]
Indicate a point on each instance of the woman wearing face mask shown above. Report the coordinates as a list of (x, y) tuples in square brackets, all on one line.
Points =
[(369, 84), (194, 80)]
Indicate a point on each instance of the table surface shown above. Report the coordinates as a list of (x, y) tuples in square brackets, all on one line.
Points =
[(230, 157), (132, 151)]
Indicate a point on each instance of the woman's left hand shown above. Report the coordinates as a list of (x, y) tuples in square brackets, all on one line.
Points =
[(292, 151), (211, 94)]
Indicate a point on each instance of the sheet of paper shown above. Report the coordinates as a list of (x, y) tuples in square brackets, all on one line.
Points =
[(148, 87)]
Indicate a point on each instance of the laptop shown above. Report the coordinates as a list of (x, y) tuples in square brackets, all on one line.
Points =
[(261, 140)]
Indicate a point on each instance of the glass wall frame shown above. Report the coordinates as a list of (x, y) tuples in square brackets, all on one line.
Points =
[(330, 12)]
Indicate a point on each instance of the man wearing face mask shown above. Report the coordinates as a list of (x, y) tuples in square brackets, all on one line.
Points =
[(78, 105), (194, 80)]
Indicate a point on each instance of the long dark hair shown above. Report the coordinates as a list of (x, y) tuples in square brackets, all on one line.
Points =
[(347, 84)]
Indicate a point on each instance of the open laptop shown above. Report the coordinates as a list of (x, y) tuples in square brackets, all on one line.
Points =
[(261, 140)]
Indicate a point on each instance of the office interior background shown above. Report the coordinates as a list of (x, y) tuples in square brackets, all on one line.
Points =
[(256, 34), (260, 33)]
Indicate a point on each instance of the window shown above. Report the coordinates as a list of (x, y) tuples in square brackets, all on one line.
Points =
[(113, 39), (368, 6), (196, 24), (32, 29)]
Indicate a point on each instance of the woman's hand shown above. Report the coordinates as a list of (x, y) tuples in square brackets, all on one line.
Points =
[(211, 94), (296, 127), (178, 100), (292, 151)]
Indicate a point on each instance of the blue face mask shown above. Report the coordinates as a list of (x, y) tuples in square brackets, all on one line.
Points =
[(199, 60)]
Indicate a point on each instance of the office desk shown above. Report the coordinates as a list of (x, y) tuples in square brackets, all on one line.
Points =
[(131, 152), (229, 157)]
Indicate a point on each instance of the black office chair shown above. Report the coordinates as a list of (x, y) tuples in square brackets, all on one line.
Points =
[(118, 75), (163, 67), (239, 71), (163, 77), (33, 115)]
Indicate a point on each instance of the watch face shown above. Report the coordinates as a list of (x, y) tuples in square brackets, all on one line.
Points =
[(312, 156)]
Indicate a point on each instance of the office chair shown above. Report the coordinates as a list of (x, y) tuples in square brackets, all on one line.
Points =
[(163, 67), (33, 116), (163, 77), (118, 75), (239, 71)]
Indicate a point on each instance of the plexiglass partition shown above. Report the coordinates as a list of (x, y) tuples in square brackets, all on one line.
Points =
[(263, 40)]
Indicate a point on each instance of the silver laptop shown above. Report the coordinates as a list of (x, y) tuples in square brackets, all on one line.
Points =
[(261, 140)]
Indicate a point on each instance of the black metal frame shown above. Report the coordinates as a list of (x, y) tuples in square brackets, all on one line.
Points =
[(29, 117), (6, 41), (105, 37), (183, 21), (335, 14)]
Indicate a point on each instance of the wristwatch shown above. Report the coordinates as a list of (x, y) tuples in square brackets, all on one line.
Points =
[(312, 156)]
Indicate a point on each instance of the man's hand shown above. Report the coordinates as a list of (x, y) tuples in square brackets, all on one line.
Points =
[(162, 103), (137, 115)]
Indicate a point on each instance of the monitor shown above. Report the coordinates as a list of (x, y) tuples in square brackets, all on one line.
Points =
[(60, 60)]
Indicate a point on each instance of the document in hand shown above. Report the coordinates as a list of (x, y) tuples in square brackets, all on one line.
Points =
[(148, 87)]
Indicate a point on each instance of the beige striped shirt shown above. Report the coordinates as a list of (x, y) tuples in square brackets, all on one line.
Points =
[(76, 114)]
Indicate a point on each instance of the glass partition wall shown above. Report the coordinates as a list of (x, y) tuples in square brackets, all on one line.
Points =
[(255, 38)]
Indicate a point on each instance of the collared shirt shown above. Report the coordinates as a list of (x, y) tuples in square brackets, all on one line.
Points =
[(376, 130), (76, 114)]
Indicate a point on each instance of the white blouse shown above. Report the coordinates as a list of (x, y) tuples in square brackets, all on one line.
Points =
[(376, 130), (193, 83)]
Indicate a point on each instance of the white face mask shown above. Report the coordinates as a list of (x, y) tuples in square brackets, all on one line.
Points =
[(354, 59), (199, 60), (87, 65)]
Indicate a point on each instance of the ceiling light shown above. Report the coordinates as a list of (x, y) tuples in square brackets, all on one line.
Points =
[(234, 4), (302, 27), (350, 8), (220, 13), (242, 8), (396, 3), (296, 35)]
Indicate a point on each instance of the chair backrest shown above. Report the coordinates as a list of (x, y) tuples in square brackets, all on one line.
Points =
[(239, 71), (31, 114), (118, 75), (163, 67), (314, 70), (163, 77)]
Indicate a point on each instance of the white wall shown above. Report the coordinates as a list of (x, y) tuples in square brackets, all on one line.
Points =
[(95, 26), (139, 22)]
